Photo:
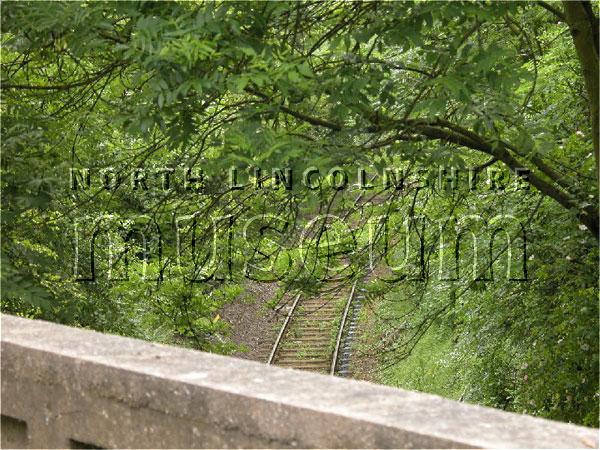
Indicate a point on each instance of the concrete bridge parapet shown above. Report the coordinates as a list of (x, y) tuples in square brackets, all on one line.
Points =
[(68, 387)]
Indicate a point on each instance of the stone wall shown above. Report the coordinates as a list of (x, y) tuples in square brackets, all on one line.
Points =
[(68, 387)]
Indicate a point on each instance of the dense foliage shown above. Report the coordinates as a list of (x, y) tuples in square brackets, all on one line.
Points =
[(148, 88)]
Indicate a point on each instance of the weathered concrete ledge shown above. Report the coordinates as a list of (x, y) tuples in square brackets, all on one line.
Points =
[(67, 387)]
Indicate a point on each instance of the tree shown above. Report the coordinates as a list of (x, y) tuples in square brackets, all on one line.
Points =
[(506, 86)]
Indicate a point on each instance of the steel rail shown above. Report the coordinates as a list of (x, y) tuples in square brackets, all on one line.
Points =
[(341, 329), (283, 328)]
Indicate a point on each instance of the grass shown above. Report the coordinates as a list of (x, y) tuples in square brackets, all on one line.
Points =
[(431, 367)]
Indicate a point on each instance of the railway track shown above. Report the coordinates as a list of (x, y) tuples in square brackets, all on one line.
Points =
[(312, 334)]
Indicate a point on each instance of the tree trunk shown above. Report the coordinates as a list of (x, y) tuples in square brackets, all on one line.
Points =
[(582, 24)]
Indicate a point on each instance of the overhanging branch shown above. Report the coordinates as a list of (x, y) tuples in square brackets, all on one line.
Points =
[(440, 129)]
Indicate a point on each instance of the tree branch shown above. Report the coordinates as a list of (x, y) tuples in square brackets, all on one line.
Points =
[(588, 215), (557, 12), (444, 130), (61, 87)]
